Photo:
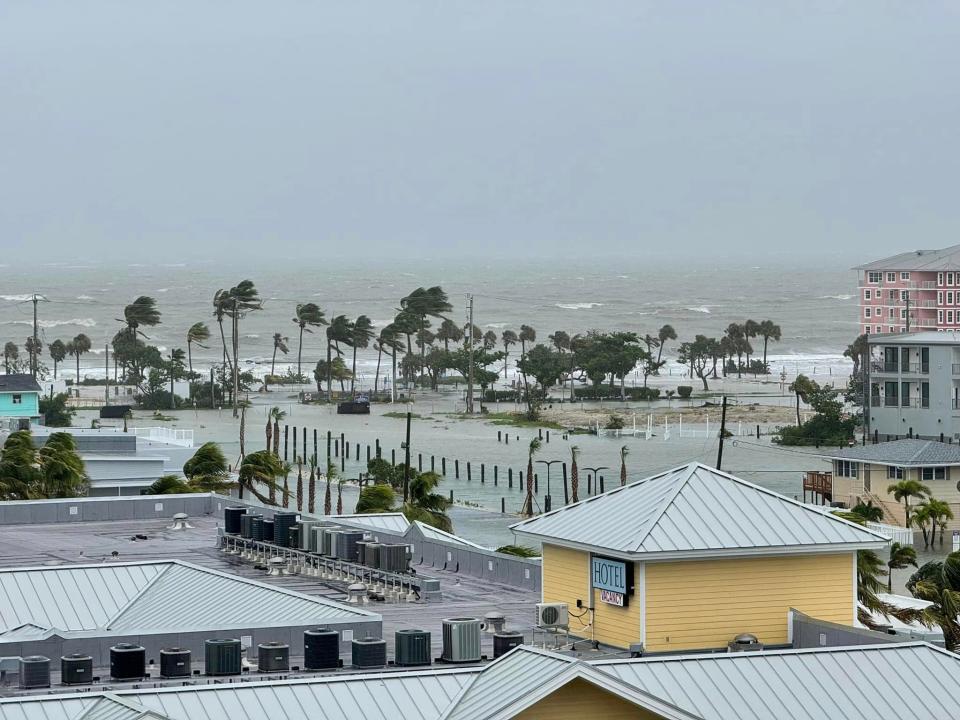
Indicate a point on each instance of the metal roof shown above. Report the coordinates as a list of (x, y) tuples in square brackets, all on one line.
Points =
[(151, 597), (111, 707), (396, 523), (926, 337), (903, 681), (19, 382), (902, 453), (431, 533), (921, 260), (696, 511)]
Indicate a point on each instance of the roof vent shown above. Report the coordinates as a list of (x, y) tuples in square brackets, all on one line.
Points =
[(744, 642), (180, 522)]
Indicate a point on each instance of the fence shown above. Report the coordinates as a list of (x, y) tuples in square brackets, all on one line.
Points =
[(170, 436)]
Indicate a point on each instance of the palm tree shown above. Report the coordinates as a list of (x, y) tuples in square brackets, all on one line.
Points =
[(423, 303), (208, 466), (287, 469), (260, 468), (10, 353), (221, 303), (300, 484), (279, 343), (142, 312), (508, 338), (277, 414), (751, 328), (856, 351), (235, 303), (175, 370), (868, 511), (60, 469), (924, 520), (360, 337), (312, 486), (802, 386), (307, 315), (80, 345), (377, 498), (198, 334), (624, 451), (900, 557), (58, 351), (769, 330), (940, 516), (424, 504), (340, 482), (574, 474), (389, 340), (449, 332), (527, 335), (528, 502), (665, 333), (340, 330), (906, 489), (943, 591), (407, 324), (331, 474)]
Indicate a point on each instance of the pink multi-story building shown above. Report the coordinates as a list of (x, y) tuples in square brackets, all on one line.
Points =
[(917, 290)]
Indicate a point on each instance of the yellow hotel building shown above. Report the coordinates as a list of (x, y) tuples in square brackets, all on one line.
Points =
[(691, 558)]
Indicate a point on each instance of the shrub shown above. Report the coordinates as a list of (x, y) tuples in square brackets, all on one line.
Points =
[(684, 391), (615, 423), (56, 412), (518, 550), (501, 395)]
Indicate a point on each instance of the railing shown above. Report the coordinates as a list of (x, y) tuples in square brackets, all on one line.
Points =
[(896, 533), (956, 368), (915, 402), (884, 367), (171, 436), (891, 401), (916, 368), (956, 404)]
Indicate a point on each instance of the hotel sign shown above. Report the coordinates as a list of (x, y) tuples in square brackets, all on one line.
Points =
[(613, 578)]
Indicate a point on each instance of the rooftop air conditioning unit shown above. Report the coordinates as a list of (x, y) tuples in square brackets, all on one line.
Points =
[(552, 615), (744, 643)]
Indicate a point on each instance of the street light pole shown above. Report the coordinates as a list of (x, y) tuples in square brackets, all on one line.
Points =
[(595, 470), (547, 504)]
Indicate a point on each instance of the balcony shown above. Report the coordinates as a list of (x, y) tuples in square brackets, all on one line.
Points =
[(879, 366), (916, 368), (956, 368)]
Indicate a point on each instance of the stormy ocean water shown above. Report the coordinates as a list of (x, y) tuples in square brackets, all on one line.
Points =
[(815, 307)]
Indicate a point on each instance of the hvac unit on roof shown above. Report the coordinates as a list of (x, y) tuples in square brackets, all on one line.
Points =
[(76, 669), (174, 662), (411, 647), (273, 657), (394, 558), (461, 639), (504, 642), (222, 656), (347, 545), (282, 522), (231, 519), (321, 649), (369, 653), (128, 662), (552, 615), (34, 672)]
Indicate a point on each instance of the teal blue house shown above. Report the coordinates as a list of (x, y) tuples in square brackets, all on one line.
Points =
[(19, 396)]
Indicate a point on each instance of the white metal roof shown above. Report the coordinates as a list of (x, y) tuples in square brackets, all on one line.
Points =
[(151, 597), (432, 533), (902, 681), (396, 523), (696, 511)]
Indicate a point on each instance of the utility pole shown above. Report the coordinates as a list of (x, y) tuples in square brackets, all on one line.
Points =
[(907, 293), (106, 373), (236, 360), (470, 353), (406, 462), (723, 431), (33, 350)]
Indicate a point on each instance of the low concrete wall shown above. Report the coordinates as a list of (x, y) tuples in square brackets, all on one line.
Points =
[(99, 509), (808, 632), (99, 647)]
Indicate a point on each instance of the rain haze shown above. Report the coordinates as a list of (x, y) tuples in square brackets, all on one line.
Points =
[(459, 129)]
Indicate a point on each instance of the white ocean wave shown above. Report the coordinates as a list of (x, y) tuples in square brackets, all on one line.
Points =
[(702, 309), (16, 298), (163, 290), (84, 297), (79, 322), (835, 297), (578, 306)]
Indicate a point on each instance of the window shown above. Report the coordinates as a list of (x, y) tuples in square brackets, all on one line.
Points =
[(889, 328), (866, 294), (894, 473), (879, 328), (940, 279), (904, 276), (940, 316), (933, 473), (892, 295), (940, 298), (891, 277), (950, 279), (873, 277), (903, 314), (950, 297), (18, 399), (866, 330), (867, 311), (892, 313), (949, 317), (846, 468), (904, 294)]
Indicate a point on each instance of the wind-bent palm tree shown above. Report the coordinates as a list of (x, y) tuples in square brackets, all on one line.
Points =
[(260, 468), (279, 343), (449, 332), (360, 336), (198, 334), (856, 351), (624, 451), (489, 340), (142, 312), (33, 347), (535, 446), (277, 414), (868, 511), (340, 330), (235, 303), (922, 519), (307, 315), (208, 467), (287, 469), (80, 345), (331, 474), (665, 333), (904, 490), (940, 516), (389, 340), (58, 352), (312, 485), (802, 386), (424, 504), (300, 484), (901, 556), (407, 324), (943, 590), (10, 353), (175, 363), (527, 335), (423, 303), (751, 328), (221, 303), (769, 330), (574, 474)]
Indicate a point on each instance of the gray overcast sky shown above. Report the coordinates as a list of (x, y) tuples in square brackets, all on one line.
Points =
[(480, 127)]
